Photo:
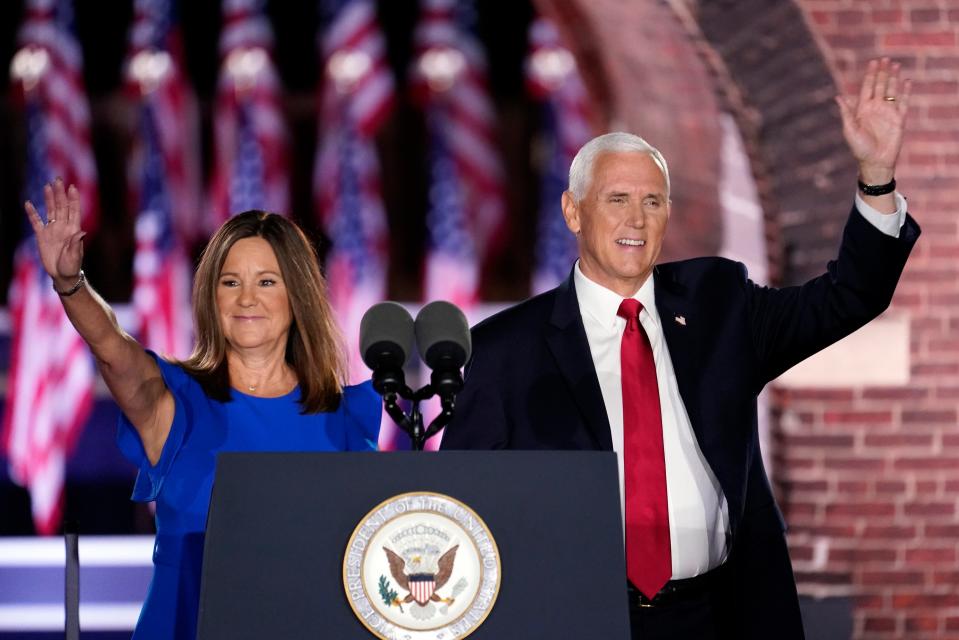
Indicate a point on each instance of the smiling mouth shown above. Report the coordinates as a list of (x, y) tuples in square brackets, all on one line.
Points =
[(628, 242)]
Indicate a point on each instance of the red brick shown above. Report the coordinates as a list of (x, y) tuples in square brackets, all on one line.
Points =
[(939, 346), (922, 623), (819, 440), (827, 530), (879, 623), (869, 601), (923, 600), (860, 509), (803, 553), (920, 39), (800, 510), (952, 623), (819, 486), (925, 464), (927, 487), (859, 555), (942, 63), (930, 555), (894, 393), (890, 578), (950, 578), (855, 464), (950, 393), (850, 18), (898, 440), (950, 440), (891, 486), (930, 509), (851, 41), (925, 16), (852, 486), (812, 393), (946, 416), (824, 577), (934, 369), (886, 16), (935, 87), (798, 463), (858, 417), (949, 531), (822, 18), (890, 532), (942, 112)]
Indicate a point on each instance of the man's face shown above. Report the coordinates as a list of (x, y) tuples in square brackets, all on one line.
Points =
[(620, 222)]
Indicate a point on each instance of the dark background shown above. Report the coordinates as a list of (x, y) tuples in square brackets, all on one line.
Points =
[(99, 480), (102, 27)]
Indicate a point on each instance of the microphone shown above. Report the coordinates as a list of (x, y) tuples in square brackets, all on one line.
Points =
[(443, 338), (386, 342)]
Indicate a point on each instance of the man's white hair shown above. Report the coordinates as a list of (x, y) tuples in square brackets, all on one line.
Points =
[(581, 169)]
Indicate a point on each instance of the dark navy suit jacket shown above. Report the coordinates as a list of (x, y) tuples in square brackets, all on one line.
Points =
[(531, 384)]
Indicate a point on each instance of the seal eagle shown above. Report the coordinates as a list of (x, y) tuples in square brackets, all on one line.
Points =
[(422, 586)]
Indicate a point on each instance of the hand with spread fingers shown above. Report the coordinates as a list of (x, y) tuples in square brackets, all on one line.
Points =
[(60, 240), (873, 125)]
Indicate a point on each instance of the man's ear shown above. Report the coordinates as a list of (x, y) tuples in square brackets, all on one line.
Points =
[(571, 212)]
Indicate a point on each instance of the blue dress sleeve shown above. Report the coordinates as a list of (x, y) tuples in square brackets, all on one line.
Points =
[(362, 411), (150, 477)]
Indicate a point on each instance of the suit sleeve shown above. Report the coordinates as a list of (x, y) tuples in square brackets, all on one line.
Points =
[(480, 418), (790, 324)]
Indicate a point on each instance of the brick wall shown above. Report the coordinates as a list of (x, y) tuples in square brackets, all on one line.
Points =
[(868, 475), (667, 99)]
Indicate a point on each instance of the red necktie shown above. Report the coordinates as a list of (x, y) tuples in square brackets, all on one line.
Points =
[(648, 558)]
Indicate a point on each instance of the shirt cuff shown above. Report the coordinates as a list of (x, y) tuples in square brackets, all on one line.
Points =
[(888, 223)]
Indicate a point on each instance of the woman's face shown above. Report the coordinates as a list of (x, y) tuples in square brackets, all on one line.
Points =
[(251, 297)]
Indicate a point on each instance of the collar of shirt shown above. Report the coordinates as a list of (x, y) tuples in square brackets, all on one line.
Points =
[(601, 304)]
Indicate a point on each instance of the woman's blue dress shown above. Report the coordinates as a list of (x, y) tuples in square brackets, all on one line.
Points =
[(182, 479)]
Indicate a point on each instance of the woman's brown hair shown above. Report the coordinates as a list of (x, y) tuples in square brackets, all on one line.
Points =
[(314, 346)]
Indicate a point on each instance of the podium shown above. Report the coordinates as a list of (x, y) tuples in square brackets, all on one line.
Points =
[(280, 523)]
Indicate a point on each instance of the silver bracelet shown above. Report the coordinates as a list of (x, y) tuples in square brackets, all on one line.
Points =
[(76, 287)]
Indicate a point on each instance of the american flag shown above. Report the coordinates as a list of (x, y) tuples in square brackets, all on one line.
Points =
[(51, 376), (467, 216), (161, 292), (552, 78), (154, 75), (357, 95), (250, 140), (164, 167)]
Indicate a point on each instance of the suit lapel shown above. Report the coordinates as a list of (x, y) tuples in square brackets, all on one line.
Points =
[(566, 338), (679, 319)]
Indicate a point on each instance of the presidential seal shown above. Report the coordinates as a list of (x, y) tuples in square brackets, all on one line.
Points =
[(421, 566)]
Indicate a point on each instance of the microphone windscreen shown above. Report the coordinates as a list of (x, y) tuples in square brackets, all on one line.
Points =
[(443, 331), (386, 330)]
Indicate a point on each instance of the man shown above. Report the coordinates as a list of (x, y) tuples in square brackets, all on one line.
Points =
[(673, 391)]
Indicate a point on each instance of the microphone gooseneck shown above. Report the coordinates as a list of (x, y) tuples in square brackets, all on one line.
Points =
[(386, 342), (442, 334)]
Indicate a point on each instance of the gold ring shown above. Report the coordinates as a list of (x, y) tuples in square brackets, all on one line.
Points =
[(889, 98)]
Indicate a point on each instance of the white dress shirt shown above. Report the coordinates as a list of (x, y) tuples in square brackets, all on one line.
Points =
[(698, 512)]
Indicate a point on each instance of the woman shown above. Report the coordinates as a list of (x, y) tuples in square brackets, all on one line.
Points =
[(264, 376)]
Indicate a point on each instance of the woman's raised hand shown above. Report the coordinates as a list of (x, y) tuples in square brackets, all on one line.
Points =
[(60, 240)]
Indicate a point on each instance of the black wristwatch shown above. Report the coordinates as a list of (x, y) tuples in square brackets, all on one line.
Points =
[(877, 189)]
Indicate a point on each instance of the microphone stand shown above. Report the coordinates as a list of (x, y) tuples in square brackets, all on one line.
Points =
[(411, 423)]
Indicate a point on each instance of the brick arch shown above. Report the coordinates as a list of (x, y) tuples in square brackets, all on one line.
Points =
[(668, 99), (729, 56), (790, 86)]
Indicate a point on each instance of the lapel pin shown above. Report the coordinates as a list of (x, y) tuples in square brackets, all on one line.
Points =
[(681, 320)]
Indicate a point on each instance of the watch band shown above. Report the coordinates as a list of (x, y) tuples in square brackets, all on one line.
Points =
[(877, 189)]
